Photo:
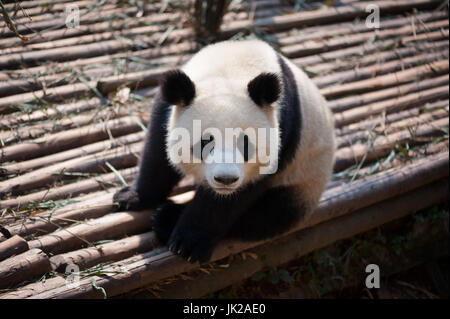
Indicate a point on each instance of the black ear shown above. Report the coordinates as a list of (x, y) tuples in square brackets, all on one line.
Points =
[(177, 88), (264, 89)]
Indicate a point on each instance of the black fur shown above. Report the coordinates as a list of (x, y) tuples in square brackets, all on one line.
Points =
[(207, 218), (275, 212), (291, 117), (264, 89), (177, 88), (164, 219), (254, 213), (156, 177)]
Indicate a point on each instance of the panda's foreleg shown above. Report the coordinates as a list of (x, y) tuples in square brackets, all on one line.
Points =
[(164, 219), (206, 220), (156, 177), (278, 210)]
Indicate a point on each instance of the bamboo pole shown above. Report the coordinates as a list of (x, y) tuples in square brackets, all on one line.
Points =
[(12, 246), (86, 50), (121, 157), (432, 36), (34, 288), (353, 101), (94, 205), (23, 267), (25, 166), (379, 69), (113, 251), (11, 120), (361, 173), (34, 131), (73, 189), (384, 119), (55, 7), (87, 233), (143, 272), (155, 30), (51, 36), (321, 45), (141, 79), (324, 16), (352, 28), (390, 105), (67, 53), (34, 83), (30, 4), (69, 139), (397, 78), (383, 145), (9, 104), (160, 54), (87, 16), (410, 123), (381, 57)]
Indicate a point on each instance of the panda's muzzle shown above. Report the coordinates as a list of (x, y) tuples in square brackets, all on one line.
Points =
[(226, 179)]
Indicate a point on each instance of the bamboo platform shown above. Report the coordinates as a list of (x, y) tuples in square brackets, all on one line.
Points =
[(74, 106)]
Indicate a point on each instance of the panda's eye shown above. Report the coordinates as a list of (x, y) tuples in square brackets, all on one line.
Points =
[(206, 140), (245, 147), (207, 145)]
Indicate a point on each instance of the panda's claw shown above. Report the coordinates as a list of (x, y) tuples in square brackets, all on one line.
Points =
[(193, 245)]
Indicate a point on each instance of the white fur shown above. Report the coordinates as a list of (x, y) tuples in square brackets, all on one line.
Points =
[(221, 73)]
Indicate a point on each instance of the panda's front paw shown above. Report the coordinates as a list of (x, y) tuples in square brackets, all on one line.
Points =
[(164, 219), (127, 198), (192, 244)]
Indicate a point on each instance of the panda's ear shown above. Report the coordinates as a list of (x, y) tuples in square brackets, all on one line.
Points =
[(264, 89), (177, 88)]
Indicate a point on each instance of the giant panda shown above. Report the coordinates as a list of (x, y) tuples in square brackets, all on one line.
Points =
[(233, 84)]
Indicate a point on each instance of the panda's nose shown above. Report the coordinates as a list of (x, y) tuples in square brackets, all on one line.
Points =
[(226, 179)]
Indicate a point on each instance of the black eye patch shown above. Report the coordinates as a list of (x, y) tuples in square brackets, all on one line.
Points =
[(245, 147), (200, 146)]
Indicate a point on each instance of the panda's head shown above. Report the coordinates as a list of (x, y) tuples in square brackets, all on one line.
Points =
[(224, 132)]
